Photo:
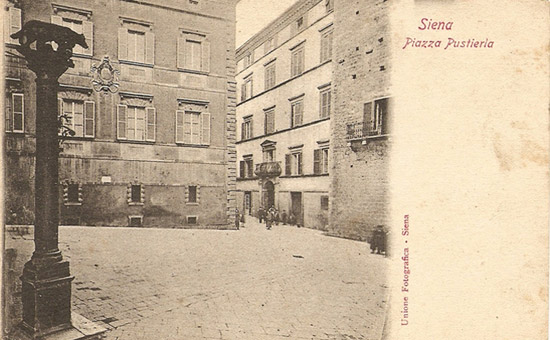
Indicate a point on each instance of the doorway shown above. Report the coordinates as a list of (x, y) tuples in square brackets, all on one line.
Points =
[(296, 207), (269, 195), (247, 202)]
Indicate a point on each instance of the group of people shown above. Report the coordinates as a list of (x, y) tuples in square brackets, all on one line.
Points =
[(272, 215)]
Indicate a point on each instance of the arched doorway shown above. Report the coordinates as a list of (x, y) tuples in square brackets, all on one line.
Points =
[(269, 195)]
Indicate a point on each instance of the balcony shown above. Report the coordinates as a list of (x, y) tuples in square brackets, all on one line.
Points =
[(360, 130), (268, 169)]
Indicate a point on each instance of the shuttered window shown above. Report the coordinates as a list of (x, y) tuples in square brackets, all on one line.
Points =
[(297, 61), (326, 46), (136, 123), (320, 161), (293, 163), (325, 103), (193, 52), (270, 79), (12, 24), (193, 127), (78, 116), (269, 121), (297, 112), (136, 45)]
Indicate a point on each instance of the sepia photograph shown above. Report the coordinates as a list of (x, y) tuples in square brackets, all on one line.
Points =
[(251, 169)]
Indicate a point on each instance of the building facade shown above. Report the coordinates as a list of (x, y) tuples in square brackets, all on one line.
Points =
[(284, 95), (360, 130), (159, 152)]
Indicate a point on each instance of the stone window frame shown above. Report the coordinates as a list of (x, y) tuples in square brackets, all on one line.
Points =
[(183, 122), (247, 127), (297, 101), (138, 26), (69, 93), (294, 161), (188, 217), (247, 87), (66, 193), (129, 192), (246, 167), (10, 112), (297, 59), (374, 119), (321, 158), (144, 101), (184, 38), (269, 113), (197, 194)]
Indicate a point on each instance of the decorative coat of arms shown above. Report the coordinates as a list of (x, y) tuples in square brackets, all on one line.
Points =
[(105, 77)]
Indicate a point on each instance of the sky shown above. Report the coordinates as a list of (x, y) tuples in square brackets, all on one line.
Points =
[(253, 15)]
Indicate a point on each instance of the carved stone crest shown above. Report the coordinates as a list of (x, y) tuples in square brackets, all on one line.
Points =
[(105, 77)]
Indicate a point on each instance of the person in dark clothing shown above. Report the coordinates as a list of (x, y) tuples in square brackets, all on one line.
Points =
[(292, 219), (237, 219), (378, 240), (284, 217), (261, 214)]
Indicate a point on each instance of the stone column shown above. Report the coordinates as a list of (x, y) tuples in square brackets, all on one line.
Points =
[(46, 279)]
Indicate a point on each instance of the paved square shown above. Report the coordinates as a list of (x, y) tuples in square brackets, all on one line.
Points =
[(254, 283)]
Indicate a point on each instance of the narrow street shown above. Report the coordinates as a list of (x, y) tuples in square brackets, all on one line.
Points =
[(253, 283)]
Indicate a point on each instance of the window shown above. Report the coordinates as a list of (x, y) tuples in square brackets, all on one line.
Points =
[(247, 88), (376, 117), (300, 23), (15, 113), (79, 23), (136, 123), (270, 44), (72, 193), (297, 112), (269, 155), (293, 163), (246, 128), (192, 194), (270, 79), (269, 123), (193, 52), (325, 103), (12, 24), (192, 219), (248, 60), (297, 61), (246, 167), (79, 116), (136, 43), (326, 46), (135, 194), (324, 202), (320, 161), (193, 127)]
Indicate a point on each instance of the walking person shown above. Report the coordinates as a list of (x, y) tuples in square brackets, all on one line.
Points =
[(269, 219)]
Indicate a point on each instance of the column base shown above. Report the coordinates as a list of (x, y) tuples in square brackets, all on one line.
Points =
[(79, 329)]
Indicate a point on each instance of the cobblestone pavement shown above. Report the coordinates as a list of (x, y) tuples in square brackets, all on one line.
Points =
[(254, 283)]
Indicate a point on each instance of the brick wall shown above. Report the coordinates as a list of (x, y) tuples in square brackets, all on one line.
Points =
[(359, 187)]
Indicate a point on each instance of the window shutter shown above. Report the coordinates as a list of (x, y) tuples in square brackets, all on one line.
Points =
[(88, 30), (151, 124), (251, 87), (187, 128), (367, 117), (181, 52), (60, 112), (121, 119), (205, 127), (89, 119), (18, 112), (251, 133), (205, 55), (243, 92), (317, 161), (251, 168), (288, 164), (179, 126), (122, 43), (242, 131), (15, 22), (149, 48), (299, 164), (241, 169)]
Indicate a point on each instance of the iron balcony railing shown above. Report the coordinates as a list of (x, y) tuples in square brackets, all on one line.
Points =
[(268, 169), (359, 130)]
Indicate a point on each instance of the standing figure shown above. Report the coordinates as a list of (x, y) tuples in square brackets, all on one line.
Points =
[(237, 218), (261, 214), (269, 219), (284, 217)]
